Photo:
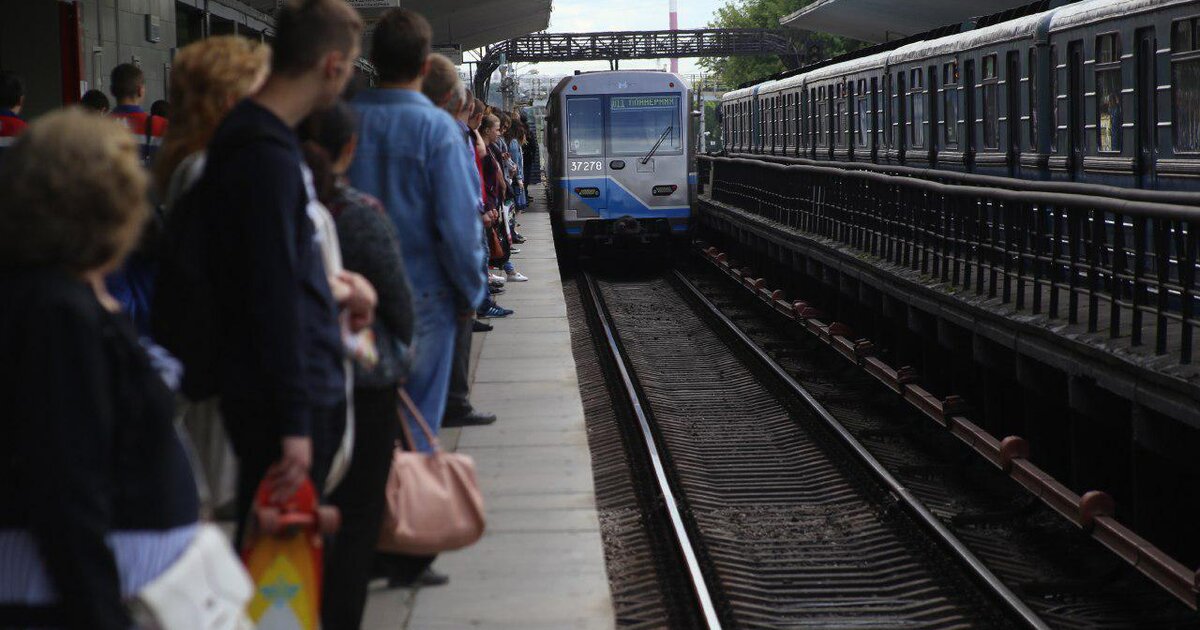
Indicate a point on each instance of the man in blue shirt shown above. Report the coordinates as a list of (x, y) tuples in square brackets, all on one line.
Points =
[(410, 156)]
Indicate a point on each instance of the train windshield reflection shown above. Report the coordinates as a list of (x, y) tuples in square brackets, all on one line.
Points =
[(637, 122)]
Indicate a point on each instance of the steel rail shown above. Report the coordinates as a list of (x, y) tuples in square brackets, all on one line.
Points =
[(905, 497), (683, 540)]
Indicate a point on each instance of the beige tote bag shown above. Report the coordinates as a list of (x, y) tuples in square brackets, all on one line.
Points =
[(433, 499)]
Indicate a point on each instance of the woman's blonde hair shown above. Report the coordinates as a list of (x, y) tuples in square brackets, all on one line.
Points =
[(207, 78), (72, 194)]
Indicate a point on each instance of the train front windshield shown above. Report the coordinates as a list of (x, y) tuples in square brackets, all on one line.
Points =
[(634, 125)]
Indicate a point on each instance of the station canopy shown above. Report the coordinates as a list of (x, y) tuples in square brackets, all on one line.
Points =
[(461, 24), (878, 21)]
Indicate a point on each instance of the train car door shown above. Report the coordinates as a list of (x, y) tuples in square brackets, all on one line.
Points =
[(1146, 113), (586, 176)]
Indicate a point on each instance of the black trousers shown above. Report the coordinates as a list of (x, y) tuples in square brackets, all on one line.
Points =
[(360, 497), (458, 398), (257, 449)]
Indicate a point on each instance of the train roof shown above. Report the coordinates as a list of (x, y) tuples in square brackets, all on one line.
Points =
[(1094, 11), (634, 81)]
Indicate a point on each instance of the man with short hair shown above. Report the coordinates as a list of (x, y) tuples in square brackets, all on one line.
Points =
[(282, 388), (12, 100), (413, 161), (128, 85), (445, 88)]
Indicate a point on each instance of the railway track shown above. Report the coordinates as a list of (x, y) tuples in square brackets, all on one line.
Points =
[(779, 516), (1063, 575)]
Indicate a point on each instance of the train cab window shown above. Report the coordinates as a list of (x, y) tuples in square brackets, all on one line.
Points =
[(1109, 117), (1185, 85), (585, 127), (862, 120), (637, 123), (991, 106), (950, 103)]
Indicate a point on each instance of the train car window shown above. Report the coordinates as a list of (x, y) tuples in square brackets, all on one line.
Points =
[(840, 115), (585, 127), (874, 113), (887, 110), (1054, 96), (1185, 85), (863, 114), (950, 104), (991, 105), (822, 118), (916, 109), (1109, 115), (636, 123), (1033, 108)]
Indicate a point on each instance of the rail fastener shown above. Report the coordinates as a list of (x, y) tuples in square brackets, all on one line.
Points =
[(1092, 512)]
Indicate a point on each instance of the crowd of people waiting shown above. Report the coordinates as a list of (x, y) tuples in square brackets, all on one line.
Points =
[(263, 263)]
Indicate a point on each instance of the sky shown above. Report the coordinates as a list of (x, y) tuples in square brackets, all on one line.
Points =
[(583, 16)]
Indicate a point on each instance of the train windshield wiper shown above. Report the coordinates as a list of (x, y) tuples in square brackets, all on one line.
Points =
[(661, 138)]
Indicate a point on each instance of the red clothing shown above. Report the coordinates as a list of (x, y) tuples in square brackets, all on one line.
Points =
[(11, 125), (136, 121)]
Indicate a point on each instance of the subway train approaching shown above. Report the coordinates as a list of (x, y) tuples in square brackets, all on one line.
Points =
[(1097, 91), (621, 158)]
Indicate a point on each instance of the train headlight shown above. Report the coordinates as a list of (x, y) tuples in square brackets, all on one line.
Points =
[(665, 191)]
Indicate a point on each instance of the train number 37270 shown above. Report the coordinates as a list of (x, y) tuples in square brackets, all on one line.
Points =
[(587, 166)]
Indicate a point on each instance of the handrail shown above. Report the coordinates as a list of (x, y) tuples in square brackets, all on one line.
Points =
[(989, 181)]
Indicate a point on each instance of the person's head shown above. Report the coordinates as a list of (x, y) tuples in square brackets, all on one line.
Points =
[(95, 101), (12, 92), (505, 123), (208, 78), (489, 128), (521, 134), (316, 43), (477, 115), (160, 108), (442, 84), (466, 109), (128, 84), (335, 132), (401, 46), (330, 138), (72, 195)]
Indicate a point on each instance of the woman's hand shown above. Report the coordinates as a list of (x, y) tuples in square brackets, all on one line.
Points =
[(359, 299)]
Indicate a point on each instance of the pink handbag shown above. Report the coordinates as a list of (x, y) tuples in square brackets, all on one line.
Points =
[(433, 499)]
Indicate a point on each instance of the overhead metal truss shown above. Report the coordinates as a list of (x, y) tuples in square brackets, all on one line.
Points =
[(617, 45)]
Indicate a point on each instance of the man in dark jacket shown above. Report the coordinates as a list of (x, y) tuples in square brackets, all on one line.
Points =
[(281, 358)]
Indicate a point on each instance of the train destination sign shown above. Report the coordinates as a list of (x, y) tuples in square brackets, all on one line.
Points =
[(644, 102)]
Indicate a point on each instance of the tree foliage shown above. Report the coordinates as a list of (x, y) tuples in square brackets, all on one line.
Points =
[(733, 71)]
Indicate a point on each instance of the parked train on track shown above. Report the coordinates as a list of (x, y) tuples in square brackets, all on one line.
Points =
[(621, 157), (1097, 91)]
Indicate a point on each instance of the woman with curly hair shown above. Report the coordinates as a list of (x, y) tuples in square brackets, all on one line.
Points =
[(208, 78)]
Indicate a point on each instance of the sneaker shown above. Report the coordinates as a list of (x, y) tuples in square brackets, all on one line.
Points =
[(518, 239), (478, 326), (494, 290), (515, 250), (495, 311), (517, 276), (498, 279)]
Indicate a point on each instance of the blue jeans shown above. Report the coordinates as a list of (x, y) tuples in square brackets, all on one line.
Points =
[(433, 356)]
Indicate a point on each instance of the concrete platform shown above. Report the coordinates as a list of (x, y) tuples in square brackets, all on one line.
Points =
[(541, 562)]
